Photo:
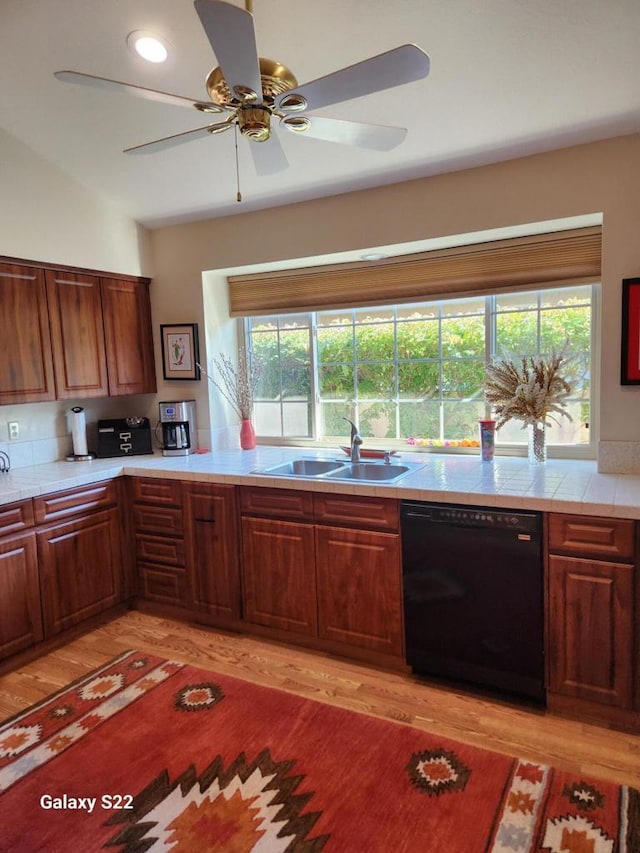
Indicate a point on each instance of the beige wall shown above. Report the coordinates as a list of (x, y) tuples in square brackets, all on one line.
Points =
[(590, 179), (46, 216)]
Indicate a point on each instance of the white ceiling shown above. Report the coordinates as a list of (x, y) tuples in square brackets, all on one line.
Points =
[(508, 77)]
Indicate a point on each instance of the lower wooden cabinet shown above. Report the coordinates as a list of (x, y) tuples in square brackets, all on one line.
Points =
[(593, 639), (309, 568), (591, 630), (279, 574), (359, 588), (20, 617), (212, 549), (79, 564)]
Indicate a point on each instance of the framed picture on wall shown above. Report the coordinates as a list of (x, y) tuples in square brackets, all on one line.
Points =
[(630, 372), (180, 353)]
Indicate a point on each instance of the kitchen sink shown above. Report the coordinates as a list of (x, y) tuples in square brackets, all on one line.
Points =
[(303, 468), (327, 469), (368, 472)]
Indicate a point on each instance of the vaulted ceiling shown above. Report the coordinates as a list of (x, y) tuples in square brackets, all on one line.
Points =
[(507, 78)]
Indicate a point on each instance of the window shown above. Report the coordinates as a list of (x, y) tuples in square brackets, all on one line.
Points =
[(415, 371)]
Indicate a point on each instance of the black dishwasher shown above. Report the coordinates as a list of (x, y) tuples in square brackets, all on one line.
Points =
[(473, 596)]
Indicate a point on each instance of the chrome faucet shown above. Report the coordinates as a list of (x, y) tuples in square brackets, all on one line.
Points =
[(356, 441)]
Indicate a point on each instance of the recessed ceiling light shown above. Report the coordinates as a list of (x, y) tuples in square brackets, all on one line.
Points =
[(148, 46)]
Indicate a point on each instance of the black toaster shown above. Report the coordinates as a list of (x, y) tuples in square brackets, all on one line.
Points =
[(124, 437)]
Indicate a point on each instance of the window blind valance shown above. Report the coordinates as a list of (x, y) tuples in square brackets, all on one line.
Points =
[(543, 260)]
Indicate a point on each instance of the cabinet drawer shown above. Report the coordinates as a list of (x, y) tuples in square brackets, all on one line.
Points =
[(589, 536), (160, 549), (283, 503), (357, 511), (158, 519), (16, 517), (75, 501), (162, 492), (163, 584)]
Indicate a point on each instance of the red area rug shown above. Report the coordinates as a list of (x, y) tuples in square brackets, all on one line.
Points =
[(146, 754)]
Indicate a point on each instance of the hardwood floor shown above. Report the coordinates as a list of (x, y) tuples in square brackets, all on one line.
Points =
[(583, 749)]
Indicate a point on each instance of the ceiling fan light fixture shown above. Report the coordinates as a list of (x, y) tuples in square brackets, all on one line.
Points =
[(148, 46), (297, 123), (293, 103)]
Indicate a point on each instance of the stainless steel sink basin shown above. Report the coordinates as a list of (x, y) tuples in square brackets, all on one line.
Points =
[(369, 472), (303, 468)]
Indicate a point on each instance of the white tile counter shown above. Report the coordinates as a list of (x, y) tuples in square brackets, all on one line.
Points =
[(559, 485)]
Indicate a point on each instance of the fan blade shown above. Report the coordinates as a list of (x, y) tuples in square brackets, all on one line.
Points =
[(394, 68), (375, 136), (268, 157), (232, 36), (178, 138), (138, 91)]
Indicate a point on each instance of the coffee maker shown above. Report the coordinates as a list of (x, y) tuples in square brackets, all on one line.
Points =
[(178, 422)]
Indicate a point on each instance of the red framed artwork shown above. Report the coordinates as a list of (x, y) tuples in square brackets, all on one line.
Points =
[(630, 367)]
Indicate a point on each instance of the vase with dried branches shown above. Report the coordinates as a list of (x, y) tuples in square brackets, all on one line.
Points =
[(533, 391), (237, 383)]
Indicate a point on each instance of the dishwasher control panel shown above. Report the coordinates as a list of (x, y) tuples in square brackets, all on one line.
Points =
[(486, 517)]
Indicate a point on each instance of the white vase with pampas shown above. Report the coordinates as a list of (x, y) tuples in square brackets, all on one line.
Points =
[(534, 392)]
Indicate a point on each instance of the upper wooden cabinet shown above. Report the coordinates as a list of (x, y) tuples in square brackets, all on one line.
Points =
[(73, 334), (77, 335), (26, 363), (126, 311)]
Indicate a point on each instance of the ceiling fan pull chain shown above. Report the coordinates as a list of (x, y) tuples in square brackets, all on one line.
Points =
[(235, 135)]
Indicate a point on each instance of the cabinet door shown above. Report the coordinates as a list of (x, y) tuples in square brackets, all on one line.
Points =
[(26, 363), (211, 538), (278, 573), (77, 334), (127, 324), (20, 619), (359, 588), (79, 569), (591, 630)]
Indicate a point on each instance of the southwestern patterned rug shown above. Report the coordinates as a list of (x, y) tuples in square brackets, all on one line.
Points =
[(147, 754)]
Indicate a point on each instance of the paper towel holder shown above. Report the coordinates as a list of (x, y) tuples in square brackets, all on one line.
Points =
[(79, 437)]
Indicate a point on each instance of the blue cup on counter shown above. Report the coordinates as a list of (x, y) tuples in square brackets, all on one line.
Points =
[(487, 439)]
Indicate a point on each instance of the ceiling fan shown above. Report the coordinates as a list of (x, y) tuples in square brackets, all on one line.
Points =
[(252, 91)]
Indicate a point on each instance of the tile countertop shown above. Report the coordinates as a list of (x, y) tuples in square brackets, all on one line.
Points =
[(572, 486)]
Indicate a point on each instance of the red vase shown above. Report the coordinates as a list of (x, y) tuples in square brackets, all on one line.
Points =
[(247, 435)]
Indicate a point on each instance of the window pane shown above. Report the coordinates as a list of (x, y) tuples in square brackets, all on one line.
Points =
[(267, 418), (517, 301), (335, 343), (331, 419), (420, 420), (376, 380), (463, 336), (565, 324), (461, 419), (419, 339), (463, 378), (418, 378), (336, 380), (296, 419), (377, 420), (517, 334), (375, 342)]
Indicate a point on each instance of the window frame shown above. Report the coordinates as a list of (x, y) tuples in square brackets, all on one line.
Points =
[(567, 451)]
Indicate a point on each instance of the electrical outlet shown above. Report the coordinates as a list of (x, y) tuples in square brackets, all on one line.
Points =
[(14, 430)]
